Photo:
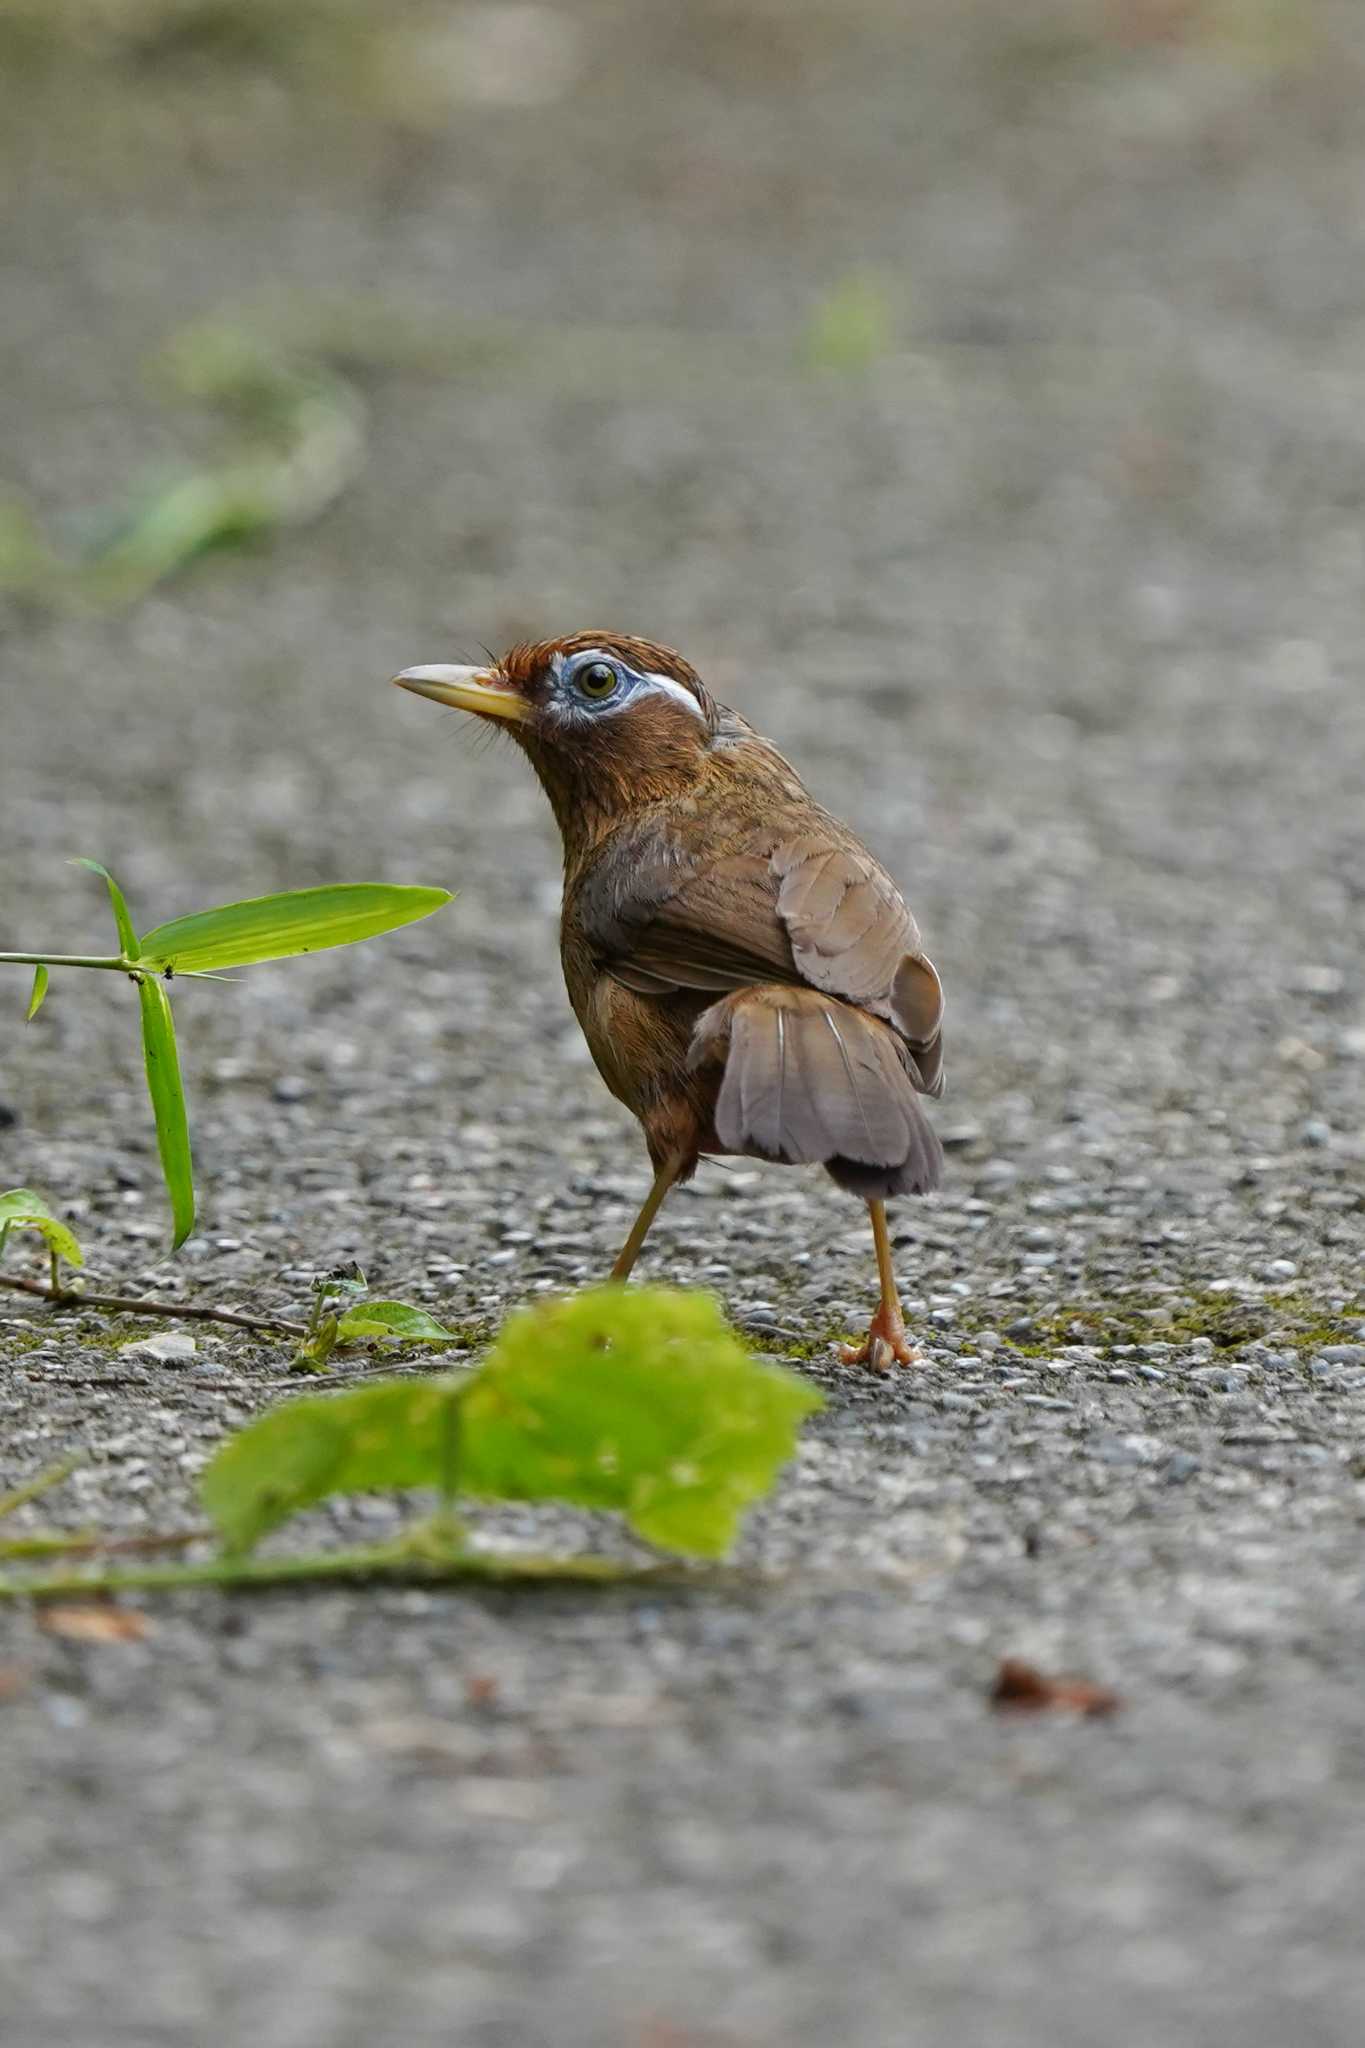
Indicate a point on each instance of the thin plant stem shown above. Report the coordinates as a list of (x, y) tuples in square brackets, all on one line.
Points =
[(44, 1483), (129, 1305), (396, 1565), (88, 1542), (109, 963)]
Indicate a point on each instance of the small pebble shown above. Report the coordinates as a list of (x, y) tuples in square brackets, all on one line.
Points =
[(1220, 1377), (1118, 1450), (1317, 981), (171, 1349)]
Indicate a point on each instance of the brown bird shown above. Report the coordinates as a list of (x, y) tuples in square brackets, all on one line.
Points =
[(746, 975)]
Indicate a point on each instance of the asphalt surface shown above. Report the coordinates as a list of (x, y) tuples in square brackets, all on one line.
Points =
[(978, 400)]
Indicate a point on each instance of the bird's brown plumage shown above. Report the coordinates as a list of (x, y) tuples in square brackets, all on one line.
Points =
[(747, 975), (698, 865)]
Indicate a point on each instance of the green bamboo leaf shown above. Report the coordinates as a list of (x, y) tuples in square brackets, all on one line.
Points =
[(20, 1209), (640, 1399), (168, 1103), (127, 937), (393, 1319), (278, 927), (387, 1437), (35, 1001)]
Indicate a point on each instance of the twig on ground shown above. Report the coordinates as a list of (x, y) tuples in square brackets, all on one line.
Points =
[(128, 1305)]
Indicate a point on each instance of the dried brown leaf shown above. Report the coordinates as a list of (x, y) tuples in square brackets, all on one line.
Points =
[(661, 2033), (1020, 1689), (99, 1622)]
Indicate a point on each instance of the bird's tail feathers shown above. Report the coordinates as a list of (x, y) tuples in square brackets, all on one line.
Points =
[(810, 1080)]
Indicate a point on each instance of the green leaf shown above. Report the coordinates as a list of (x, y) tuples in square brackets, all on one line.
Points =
[(638, 1399), (127, 937), (394, 1319), (35, 1001), (168, 1104), (21, 1209), (395, 1435), (278, 927), (853, 327)]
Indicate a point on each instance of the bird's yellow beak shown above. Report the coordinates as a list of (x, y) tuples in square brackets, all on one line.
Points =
[(468, 689)]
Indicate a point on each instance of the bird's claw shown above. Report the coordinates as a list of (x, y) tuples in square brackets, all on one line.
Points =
[(885, 1345)]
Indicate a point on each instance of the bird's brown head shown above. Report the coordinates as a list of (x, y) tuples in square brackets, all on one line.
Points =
[(608, 722)]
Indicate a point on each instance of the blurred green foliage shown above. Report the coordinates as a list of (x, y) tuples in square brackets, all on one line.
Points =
[(296, 439), (640, 1401), (853, 325)]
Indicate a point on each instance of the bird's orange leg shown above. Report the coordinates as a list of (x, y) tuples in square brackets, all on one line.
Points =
[(886, 1343), (664, 1178)]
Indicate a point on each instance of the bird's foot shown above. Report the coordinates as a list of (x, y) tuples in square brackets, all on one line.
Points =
[(886, 1343)]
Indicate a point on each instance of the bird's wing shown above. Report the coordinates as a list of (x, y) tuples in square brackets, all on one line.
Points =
[(716, 929), (807, 905)]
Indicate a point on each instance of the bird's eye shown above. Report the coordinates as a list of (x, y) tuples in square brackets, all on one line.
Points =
[(597, 680)]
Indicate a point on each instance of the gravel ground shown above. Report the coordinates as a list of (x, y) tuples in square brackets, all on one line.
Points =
[(1054, 588)]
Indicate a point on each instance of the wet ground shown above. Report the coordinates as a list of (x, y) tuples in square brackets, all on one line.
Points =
[(978, 398)]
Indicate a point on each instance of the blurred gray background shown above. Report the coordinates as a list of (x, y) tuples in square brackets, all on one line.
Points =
[(975, 392)]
